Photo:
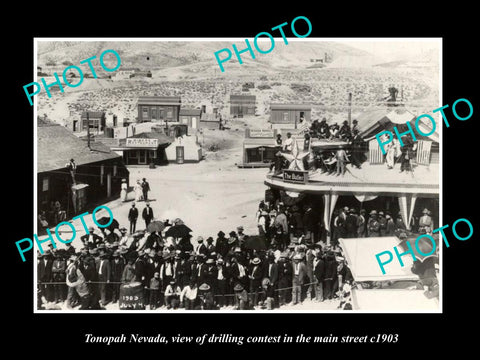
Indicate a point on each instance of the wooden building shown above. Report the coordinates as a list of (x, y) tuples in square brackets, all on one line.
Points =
[(96, 121), (241, 105), (98, 174), (259, 148), (190, 117), (287, 116), (143, 149), (159, 108)]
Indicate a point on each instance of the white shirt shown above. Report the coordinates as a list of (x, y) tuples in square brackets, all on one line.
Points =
[(288, 144), (297, 269), (220, 274), (189, 293)]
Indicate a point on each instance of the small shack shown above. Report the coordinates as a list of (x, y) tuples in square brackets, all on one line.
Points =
[(96, 121), (241, 105), (288, 116), (259, 148), (191, 117), (184, 149)]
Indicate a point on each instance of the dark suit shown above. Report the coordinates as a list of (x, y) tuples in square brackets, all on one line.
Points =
[(44, 274), (298, 280), (319, 272), (284, 281), (132, 217), (104, 274), (147, 215), (117, 265), (91, 240)]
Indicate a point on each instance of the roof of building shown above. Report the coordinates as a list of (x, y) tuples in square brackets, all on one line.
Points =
[(290, 107), (242, 98), (56, 145), (159, 100), (93, 114), (190, 112)]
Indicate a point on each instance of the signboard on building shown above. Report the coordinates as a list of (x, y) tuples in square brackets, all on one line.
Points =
[(141, 142), (262, 133), (295, 176)]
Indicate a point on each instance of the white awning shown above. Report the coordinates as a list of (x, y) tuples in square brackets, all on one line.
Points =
[(360, 255)]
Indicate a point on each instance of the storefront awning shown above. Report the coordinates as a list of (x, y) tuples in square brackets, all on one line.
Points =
[(255, 143), (360, 255)]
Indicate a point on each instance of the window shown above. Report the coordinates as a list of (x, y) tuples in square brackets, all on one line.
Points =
[(145, 113), (45, 184), (153, 112), (169, 113), (161, 114), (285, 116)]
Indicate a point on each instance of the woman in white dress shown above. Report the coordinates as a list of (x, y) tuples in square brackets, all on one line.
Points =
[(138, 191), (123, 192)]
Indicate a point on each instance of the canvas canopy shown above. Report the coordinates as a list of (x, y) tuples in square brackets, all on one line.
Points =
[(360, 255)]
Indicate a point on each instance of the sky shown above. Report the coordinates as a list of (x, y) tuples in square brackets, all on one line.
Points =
[(393, 49)]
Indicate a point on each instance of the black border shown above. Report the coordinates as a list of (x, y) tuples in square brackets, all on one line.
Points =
[(429, 332)]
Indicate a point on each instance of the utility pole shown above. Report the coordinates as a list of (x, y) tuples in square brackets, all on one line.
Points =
[(88, 131), (350, 109)]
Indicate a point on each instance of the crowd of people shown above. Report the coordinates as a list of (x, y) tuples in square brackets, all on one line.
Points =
[(326, 161), (286, 263), (231, 271)]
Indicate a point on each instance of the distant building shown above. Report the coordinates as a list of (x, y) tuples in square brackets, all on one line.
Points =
[(287, 116), (98, 175), (242, 105), (142, 149), (211, 121), (140, 73), (190, 117), (184, 149), (159, 108), (96, 120)]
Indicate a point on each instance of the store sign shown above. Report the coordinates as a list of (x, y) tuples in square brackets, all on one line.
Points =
[(141, 142), (262, 133), (295, 176)]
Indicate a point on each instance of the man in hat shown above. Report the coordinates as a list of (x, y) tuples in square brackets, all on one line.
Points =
[(330, 275), (425, 222), (288, 146), (128, 274), (255, 277), (167, 270), (342, 158), (284, 279), (361, 223), (221, 281), (344, 274), (154, 289), (299, 272), (91, 278), (262, 224), (241, 236), (210, 247), (241, 297), (210, 274), (238, 272), (147, 214), (45, 276), (221, 245), (345, 132), (319, 274), (123, 241), (351, 221), (205, 296), (390, 225), (59, 267), (334, 128), (77, 286), (70, 250), (91, 240), (104, 274), (132, 217), (145, 189), (281, 221), (357, 149), (183, 270), (188, 296), (339, 230), (117, 266), (201, 248), (269, 293), (172, 295), (323, 129), (383, 223), (373, 226), (71, 275)]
